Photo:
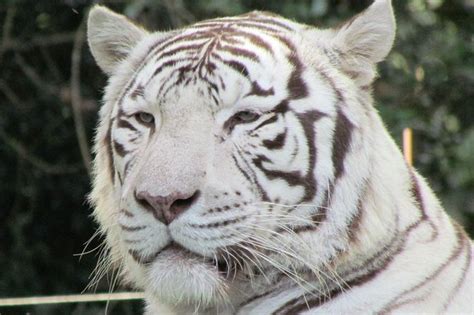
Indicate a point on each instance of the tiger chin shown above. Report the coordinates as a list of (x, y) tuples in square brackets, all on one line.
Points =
[(241, 168)]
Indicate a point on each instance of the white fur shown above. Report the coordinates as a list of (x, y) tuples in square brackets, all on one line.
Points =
[(190, 149)]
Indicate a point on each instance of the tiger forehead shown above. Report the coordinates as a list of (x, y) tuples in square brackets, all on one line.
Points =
[(202, 51), (261, 30), (250, 27), (239, 36), (264, 21)]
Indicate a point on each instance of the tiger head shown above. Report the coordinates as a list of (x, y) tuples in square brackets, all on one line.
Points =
[(231, 154)]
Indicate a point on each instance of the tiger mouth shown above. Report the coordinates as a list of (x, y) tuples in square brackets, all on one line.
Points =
[(225, 267)]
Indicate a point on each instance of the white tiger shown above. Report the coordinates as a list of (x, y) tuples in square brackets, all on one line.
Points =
[(241, 168)]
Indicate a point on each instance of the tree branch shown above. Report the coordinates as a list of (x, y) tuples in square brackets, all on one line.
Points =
[(11, 96), (76, 98), (39, 163), (30, 72), (178, 13), (7, 29), (51, 64), (39, 41)]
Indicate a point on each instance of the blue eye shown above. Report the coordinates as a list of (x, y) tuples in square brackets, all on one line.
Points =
[(245, 116), (242, 117), (145, 118)]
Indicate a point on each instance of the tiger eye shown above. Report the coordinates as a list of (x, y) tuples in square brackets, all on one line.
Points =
[(145, 118), (246, 116)]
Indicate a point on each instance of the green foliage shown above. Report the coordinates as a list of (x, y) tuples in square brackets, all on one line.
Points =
[(427, 83)]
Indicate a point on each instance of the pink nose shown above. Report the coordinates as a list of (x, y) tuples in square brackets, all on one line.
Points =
[(166, 208)]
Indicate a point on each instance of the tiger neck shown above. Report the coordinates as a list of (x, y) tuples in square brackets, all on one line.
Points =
[(373, 229), (374, 234), (388, 209), (386, 203)]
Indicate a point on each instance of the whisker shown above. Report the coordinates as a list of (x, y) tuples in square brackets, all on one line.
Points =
[(256, 243), (87, 243), (295, 277), (282, 205), (281, 248)]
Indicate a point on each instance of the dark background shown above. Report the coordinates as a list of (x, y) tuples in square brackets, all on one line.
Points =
[(50, 89)]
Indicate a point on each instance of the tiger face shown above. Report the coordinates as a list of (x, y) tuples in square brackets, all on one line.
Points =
[(225, 147)]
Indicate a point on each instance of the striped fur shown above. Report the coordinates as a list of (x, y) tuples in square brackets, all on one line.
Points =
[(302, 203)]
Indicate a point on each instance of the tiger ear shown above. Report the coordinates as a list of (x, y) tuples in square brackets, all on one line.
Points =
[(111, 37), (363, 41)]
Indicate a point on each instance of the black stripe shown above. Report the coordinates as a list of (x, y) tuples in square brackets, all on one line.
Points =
[(292, 178), (259, 296), (242, 70), (251, 177), (296, 85), (277, 143), (457, 250), (124, 124), (258, 17), (341, 142), (219, 223), (416, 193), (307, 120), (107, 142), (132, 228), (119, 148), (320, 214), (179, 49), (270, 120), (237, 66), (238, 52), (259, 91), (379, 263), (462, 278), (127, 168), (247, 176), (138, 92), (252, 21), (172, 63), (353, 228)]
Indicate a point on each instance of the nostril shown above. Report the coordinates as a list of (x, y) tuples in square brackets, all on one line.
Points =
[(150, 205), (166, 208), (180, 205), (143, 200)]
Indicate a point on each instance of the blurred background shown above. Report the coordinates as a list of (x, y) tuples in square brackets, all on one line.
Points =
[(50, 89)]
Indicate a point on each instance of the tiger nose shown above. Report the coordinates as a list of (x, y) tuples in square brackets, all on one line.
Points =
[(166, 208)]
